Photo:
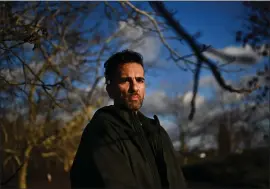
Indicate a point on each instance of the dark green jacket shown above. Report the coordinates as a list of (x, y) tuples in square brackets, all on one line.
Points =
[(120, 149)]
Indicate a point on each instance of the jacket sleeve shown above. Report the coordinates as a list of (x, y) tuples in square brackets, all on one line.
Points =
[(99, 162), (175, 174)]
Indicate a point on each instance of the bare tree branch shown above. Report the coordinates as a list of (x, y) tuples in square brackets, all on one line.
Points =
[(159, 7)]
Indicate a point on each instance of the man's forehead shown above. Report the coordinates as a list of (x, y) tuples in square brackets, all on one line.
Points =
[(131, 70), (132, 74)]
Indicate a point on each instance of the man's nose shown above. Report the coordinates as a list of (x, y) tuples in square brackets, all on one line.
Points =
[(133, 86)]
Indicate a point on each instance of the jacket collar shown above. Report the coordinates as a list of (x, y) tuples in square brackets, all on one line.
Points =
[(127, 116)]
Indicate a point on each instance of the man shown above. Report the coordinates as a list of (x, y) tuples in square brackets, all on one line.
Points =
[(120, 147)]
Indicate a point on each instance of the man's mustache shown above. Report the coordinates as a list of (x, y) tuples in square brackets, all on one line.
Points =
[(133, 94)]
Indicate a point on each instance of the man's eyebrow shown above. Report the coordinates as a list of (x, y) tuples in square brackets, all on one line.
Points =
[(127, 78), (140, 78), (124, 77)]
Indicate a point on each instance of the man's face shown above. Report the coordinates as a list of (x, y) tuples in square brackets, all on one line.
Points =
[(128, 86)]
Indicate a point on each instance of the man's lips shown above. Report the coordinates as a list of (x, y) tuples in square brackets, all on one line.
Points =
[(134, 97)]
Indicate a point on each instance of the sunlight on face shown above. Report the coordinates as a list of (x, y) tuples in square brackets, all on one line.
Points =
[(129, 86)]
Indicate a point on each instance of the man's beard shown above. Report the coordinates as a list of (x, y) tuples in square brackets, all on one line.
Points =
[(133, 105)]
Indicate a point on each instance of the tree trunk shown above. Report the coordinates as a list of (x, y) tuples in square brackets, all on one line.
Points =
[(224, 141), (183, 147), (23, 172)]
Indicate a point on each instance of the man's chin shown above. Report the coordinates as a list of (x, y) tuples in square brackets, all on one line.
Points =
[(134, 106), (130, 105)]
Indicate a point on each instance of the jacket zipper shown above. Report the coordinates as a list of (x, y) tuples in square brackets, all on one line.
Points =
[(142, 141)]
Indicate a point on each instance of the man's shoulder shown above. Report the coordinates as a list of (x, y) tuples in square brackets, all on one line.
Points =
[(152, 121), (100, 124), (101, 116), (104, 114), (104, 117)]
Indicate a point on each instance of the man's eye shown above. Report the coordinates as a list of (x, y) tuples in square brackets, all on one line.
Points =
[(123, 80), (140, 80)]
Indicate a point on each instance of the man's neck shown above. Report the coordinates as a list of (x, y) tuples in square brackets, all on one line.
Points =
[(121, 106)]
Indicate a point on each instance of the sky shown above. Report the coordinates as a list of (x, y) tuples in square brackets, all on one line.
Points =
[(217, 22)]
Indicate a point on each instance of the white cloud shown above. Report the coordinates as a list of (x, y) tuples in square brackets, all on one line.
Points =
[(214, 112), (262, 81), (130, 30), (176, 144), (110, 102), (219, 93), (208, 81), (167, 124), (156, 103), (188, 97), (28, 46), (228, 97), (102, 82), (159, 103), (148, 46), (236, 55)]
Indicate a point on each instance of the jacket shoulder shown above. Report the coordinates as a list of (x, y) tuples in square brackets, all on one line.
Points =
[(98, 125)]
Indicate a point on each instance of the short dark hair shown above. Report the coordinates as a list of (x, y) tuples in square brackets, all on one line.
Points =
[(125, 56)]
